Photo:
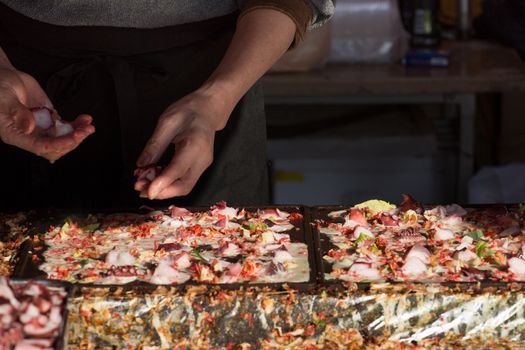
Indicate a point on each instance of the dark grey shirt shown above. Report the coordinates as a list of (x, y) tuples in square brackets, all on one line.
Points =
[(140, 13)]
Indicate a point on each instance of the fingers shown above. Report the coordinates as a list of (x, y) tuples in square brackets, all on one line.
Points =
[(83, 127), (181, 162), (184, 185), (51, 148), (192, 156), (164, 133), (82, 121), (141, 185), (18, 124), (59, 146)]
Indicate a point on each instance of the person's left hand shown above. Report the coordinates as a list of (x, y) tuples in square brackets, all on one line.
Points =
[(190, 124)]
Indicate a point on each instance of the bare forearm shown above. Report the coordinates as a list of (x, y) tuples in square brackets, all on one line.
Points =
[(261, 38)]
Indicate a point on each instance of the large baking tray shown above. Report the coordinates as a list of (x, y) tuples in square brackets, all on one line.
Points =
[(321, 213), (27, 268), (61, 339)]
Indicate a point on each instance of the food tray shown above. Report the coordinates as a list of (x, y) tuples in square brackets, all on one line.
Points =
[(13, 228), (28, 268), (324, 245), (431, 316), (61, 339)]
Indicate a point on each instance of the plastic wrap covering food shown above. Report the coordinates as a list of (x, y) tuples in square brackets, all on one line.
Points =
[(367, 31), (12, 234), (384, 317)]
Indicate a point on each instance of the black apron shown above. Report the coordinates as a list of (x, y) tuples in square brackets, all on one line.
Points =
[(125, 78)]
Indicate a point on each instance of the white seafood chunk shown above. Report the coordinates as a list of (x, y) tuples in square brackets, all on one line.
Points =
[(43, 118), (413, 266), (365, 271), (166, 274), (119, 258), (61, 128), (420, 252), (443, 234), (517, 267), (282, 256)]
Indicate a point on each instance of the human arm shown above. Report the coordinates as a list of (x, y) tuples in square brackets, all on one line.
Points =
[(19, 93), (261, 37)]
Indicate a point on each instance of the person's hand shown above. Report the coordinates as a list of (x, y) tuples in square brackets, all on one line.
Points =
[(190, 124), (19, 93)]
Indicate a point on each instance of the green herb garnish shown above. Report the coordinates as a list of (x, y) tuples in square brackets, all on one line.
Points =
[(480, 246), (320, 323), (84, 262), (363, 237), (197, 255), (476, 234), (481, 250), (91, 227), (261, 226)]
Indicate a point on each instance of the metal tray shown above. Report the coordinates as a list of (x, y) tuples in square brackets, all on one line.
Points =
[(321, 213), (27, 268), (61, 339)]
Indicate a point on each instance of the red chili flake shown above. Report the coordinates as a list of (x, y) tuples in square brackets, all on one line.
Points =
[(197, 229), (197, 307), (222, 295), (208, 318), (287, 336), (230, 346), (393, 265), (134, 252), (346, 231), (490, 234), (381, 241), (336, 253), (116, 315), (295, 216), (249, 319), (309, 330), (85, 312)]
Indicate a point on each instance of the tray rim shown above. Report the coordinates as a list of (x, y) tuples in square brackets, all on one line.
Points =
[(342, 285), (25, 262)]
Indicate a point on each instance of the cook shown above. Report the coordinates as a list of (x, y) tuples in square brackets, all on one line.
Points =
[(154, 74)]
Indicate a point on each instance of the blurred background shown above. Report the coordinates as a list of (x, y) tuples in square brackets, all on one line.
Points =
[(402, 96)]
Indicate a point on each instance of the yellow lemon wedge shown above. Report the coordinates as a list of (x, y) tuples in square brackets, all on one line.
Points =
[(376, 206)]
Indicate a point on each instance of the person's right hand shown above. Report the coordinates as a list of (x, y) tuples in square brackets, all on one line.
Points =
[(19, 92)]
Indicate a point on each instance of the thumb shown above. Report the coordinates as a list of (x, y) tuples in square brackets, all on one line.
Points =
[(23, 118)]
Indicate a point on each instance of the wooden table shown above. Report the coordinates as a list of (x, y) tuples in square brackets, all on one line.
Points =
[(475, 67)]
